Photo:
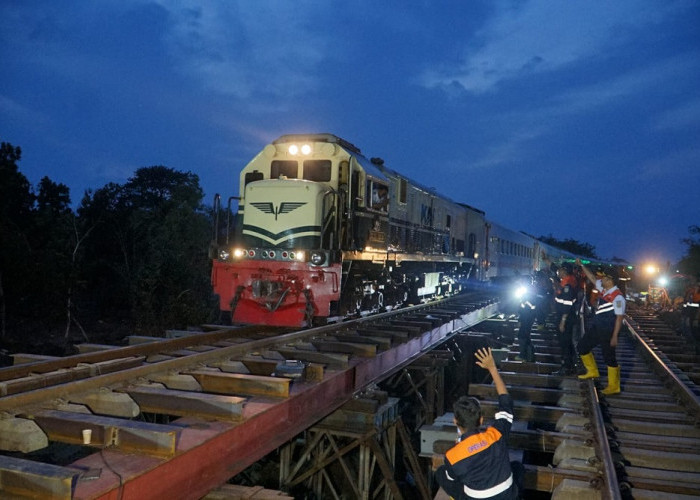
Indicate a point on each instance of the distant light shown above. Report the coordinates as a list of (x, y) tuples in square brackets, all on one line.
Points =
[(663, 281), (651, 269)]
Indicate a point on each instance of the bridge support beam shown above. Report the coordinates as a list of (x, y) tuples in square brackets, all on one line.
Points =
[(352, 450)]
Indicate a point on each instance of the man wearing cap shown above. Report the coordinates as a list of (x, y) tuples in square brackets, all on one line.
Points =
[(607, 322)]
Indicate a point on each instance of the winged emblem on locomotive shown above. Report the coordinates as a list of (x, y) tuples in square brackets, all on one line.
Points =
[(283, 208)]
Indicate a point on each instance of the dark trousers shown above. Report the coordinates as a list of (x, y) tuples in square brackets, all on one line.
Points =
[(527, 319), (598, 336), (566, 341)]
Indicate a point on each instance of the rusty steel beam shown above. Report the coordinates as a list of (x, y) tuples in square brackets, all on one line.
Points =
[(263, 428)]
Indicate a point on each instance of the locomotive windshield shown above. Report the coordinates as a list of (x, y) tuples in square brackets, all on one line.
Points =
[(286, 168), (317, 170), (313, 170)]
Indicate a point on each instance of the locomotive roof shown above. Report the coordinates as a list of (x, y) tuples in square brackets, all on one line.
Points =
[(377, 170), (371, 168)]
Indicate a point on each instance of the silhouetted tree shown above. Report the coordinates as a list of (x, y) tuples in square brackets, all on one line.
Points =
[(51, 238), (150, 238), (690, 263), (16, 200), (571, 245)]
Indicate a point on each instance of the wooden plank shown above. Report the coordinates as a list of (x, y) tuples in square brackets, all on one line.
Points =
[(142, 339), (168, 402), (396, 333), (363, 350), (540, 395), (258, 366), (242, 384), (22, 358), (178, 381), (335, 360), (236, 492), (81, 371), (127, 435), (380, 342), (87, 347), (29, 479)]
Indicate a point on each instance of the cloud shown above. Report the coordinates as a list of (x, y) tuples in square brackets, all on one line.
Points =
[(12, 110), (682, 164), (244, 49), (537, 36), (524, 124), (683, 116)]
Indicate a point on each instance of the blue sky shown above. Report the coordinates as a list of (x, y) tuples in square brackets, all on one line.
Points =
[(579, 119)]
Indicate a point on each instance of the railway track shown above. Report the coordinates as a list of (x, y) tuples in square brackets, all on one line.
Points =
[(642, 443), (177, 418)]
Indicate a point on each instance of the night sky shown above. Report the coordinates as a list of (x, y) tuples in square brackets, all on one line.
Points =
[(579, 119)]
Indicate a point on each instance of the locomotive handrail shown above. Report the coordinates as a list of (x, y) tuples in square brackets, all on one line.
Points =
[(228, 216), (328, 216), (216, 206)]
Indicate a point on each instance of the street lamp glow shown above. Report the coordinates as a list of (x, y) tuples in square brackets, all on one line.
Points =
[(651, 269)]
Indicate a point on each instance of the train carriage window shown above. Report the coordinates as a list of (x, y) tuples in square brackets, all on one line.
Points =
[(287, 168), (317, 170), (253, 176)]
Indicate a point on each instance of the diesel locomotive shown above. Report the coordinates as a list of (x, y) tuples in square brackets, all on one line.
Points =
[(322, 233)]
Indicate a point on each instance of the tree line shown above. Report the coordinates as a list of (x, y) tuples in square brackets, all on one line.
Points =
[(132, 254)]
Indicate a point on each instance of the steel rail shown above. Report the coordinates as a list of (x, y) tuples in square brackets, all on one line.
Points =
[(10, 403), (682, 389), (611, 487), (158, 345)]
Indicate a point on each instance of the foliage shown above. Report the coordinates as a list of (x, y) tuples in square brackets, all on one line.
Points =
[(150, 248), (571, 245), (132, 254), (690, 263)]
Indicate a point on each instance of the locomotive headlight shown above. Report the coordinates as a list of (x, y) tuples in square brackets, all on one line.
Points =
[(318, 258), (520, 292), (238, 253), (300, 256), (293, 149), (306, 149), (224, 255)]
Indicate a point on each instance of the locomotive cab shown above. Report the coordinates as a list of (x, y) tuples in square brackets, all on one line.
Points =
[(324, 232)]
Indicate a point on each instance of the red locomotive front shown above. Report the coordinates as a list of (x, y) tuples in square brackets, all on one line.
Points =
[(277, 273)]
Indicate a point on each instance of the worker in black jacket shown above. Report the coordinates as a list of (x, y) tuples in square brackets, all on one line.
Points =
[(565, 298), (478, 466)]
